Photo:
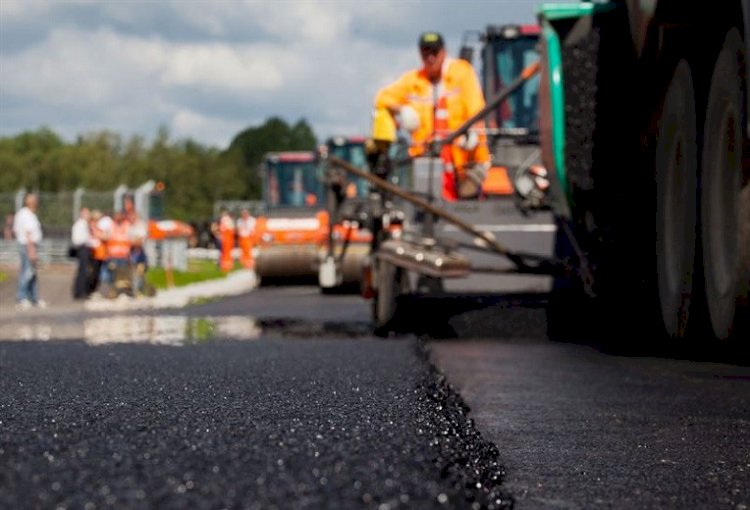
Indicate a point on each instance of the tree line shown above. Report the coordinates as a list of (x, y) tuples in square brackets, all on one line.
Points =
[(195, 175)]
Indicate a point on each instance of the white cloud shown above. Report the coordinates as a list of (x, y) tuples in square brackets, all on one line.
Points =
[(306, 21), (220, 66), (17, 11), (211, 130), (84, 68), (209, 69)]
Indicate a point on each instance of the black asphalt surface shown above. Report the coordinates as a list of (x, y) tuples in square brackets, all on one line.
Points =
[(602, 422), (270, 423), (306, 409), (578, 427)]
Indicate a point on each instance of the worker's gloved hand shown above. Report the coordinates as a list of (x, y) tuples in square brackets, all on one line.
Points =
[(471, 185), (468, 141), (408, 118)]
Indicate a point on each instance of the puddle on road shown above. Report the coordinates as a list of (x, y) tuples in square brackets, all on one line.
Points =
[(177, 329), (147, 329)]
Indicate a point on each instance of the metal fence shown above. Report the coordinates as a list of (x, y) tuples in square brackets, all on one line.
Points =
[(58, 211), (51, 251)]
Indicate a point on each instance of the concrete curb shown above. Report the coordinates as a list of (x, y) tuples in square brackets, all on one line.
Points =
[(55, 289), (237, 282)]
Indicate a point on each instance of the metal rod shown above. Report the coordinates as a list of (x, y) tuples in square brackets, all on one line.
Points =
[(492, 244), (526, 256), (525, 75)]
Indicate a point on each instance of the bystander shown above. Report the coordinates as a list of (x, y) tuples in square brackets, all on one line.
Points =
[(81, 239), (28, 233)]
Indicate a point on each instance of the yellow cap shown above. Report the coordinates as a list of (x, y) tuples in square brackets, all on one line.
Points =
[(383, 125)]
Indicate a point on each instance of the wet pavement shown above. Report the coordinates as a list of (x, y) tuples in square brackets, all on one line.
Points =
[(282, 398), (55, 288)]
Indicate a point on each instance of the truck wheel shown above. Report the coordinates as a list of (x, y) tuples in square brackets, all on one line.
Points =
[(725, 205), (676, 165)]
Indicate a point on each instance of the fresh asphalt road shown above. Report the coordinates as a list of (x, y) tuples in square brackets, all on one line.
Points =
[(267, 423), (212, 408), (281, 398)]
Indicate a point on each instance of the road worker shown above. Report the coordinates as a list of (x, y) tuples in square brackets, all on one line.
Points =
[(226, 234), (433, 101), (118, 251), (245, 231)]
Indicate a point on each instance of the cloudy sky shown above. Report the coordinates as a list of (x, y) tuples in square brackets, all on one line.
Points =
[(208, 69)]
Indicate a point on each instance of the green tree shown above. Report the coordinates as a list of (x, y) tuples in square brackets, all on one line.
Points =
[(249, 146), (195, 176)]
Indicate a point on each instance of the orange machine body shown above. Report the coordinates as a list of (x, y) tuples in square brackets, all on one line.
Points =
[(289, 232)]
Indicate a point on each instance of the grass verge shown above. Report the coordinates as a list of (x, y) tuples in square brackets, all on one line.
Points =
[(197, 271)]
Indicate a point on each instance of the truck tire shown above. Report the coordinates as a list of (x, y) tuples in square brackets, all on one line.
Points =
[(676, 171), (725, 193)]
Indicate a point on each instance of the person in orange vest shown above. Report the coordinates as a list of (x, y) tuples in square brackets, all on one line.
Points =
[(433, 101), (226, 233), (100, 227), (118, 248), (245, 230)]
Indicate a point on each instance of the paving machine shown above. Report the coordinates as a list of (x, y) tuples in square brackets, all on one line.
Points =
[(293, 225), (437, 242)]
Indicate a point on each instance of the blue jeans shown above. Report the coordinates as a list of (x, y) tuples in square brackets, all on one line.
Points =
[(27, 288)]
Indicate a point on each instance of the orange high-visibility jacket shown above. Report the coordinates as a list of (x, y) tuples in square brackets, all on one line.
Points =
[(462, 94), (118, 244)]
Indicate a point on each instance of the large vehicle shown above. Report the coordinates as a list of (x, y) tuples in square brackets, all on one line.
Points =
[(513, 126), (291, 230), (645, 125)]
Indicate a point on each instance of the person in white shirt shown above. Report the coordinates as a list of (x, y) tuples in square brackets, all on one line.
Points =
[(80, 238), (28, 233)]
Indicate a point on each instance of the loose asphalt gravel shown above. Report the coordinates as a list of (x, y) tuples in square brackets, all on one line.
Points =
[(270, 423)]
